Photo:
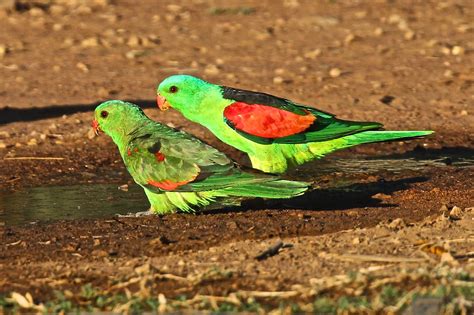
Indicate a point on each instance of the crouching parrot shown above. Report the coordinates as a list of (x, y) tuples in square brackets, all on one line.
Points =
[(275, 132), (178, 171)]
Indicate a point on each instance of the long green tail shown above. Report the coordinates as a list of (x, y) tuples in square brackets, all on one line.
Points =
[(381, 136), (272, 189)]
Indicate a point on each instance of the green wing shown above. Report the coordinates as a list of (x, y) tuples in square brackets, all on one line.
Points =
[(163, 159), (325, 127)]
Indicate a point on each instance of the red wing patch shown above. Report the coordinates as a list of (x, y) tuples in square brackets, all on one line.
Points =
[(160, 157), (266, 121), (170, 185)]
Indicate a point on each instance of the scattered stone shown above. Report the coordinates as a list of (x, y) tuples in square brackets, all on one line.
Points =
[(448, 74), (313, 54), (397, 224), (3, 51), (378, 31), (455, 213), (132, 54), (174, 8), (409, 35), (349, 39), (211, 69), (4, 135), (134, 41), (457, 50), (83, 67), (445, 50), (335, 72), (376, 84), (464, 113), (90, 42), (36, 12), (2, 145), (103, 92), (381, 196), (278, 80), (444, 208), (356, 241), (32, 142), (57, 9), (123, 187)]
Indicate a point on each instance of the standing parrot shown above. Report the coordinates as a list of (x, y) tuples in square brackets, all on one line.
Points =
[(275, 132), (178, 171)]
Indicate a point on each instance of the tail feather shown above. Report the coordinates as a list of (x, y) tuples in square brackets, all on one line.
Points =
[(272, 189), (382, 136)]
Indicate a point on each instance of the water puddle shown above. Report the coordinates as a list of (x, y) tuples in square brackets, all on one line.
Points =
[(69, 202), (102, 200)]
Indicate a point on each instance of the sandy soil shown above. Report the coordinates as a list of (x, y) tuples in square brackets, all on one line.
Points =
[(408, 65)]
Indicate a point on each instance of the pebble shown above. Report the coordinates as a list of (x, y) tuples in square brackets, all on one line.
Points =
[(3, 51), (57, 10), (134, 41), (455, 213), (83, 67), (349, 39), (312, 54), (409, 35), (32, 142), (4, 135), (335, 72), (464, 113), (36, 12), (211, 69), (90, 42), (378, 31), (132, 54), (457, 50), (278, 80), (123, 187), (448, 73), (103, 92), (2, 145)]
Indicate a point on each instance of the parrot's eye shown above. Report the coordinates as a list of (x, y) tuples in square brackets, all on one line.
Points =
[(173, 89), (104, 114)]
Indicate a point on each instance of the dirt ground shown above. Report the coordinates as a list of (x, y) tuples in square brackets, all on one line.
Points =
[(407, 64)]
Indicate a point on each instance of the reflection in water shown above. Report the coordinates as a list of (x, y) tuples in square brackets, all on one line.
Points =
[(93, 201), (69, 202)]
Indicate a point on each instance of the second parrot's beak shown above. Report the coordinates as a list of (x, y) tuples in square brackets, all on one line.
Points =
[(96, 127), (162, 102)]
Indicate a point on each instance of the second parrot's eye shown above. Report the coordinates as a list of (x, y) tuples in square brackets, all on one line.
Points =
[(173, 89), (104, 114)]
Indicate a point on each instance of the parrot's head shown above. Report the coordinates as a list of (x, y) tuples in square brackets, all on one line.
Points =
[(184, 93), (117, 118)]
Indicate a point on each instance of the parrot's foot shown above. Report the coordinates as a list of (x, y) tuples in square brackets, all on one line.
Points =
[(136, 215)]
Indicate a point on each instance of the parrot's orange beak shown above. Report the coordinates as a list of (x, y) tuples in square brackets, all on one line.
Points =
[(95, 126), (162, 102)]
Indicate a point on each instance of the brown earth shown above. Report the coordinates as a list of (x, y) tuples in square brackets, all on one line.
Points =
[(406, 64)]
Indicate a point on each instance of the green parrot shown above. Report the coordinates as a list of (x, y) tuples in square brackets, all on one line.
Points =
[(276, 133), (178, 171)]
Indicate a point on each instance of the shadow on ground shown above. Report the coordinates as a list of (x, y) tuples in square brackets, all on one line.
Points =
[(10, 114), (359, 195)]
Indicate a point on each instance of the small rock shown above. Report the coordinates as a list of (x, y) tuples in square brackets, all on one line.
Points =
[(211, 69), (448, 73), (36, 12), (376, 84), (335, 72), (134, 41), (57, 27), (457, 50), (57, 10), (32, 142), (90, 42), (83, 67), (312, 54), (3, 51), (396, 224), (103, 92), (409, 35), (349, 39), (132, 54), (4, 135), (2, 145), (278, 80), (279, 71), (378, 31), (356, 241), (382, 196), (123, 187), (463, 113), (174, 8), (455, 213)]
